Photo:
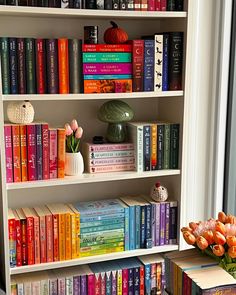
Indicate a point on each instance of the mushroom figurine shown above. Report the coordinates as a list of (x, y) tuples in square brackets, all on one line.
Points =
[(116, 113), (159, 193)]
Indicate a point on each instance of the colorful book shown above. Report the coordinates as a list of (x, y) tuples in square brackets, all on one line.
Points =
[(12, 237), (138, 64), (173, 222), (16, 152), (107, 68), (158, 68), (42, 234), (31, 150), (101, 57), (23, 153), (110, 154), (45, 148), (148, 75), (30, 235), (52, 153), (111, 161), (24, 245), (107, 48), (63, 66), (61, 152), (160, 146), (165, 68), (111, 168), (153, 134), (18, 239), (107, 86), (146, 147), (39, 151), (107, 77), (8, 153)]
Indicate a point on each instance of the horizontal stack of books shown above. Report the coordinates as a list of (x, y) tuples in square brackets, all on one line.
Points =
[(107, 68), (40, 66), (142, 275), (189, 273), (34, 152), (156, 145), (57, 232), (108, 157), (137, 5)]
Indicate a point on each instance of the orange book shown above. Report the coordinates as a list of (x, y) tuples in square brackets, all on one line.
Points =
[(42, 234), (30, 235), (61, 137), (75, 235), (55, 222), (15, 129), (154, 147), (63, 65), (36, 237), (23, 152)]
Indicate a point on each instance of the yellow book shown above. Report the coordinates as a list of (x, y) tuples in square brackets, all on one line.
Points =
[(75, 236), (102, 251), (153, 147), (62, 237), (119, 282)]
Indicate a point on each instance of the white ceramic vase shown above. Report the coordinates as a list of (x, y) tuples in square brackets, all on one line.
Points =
[(74, 164)]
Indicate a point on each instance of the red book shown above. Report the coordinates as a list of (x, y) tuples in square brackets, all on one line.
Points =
[(125, 281), (16, 152), (12, 237), (142, 280), (42, 234), (138, 57), (18, 239), (8, 152), (45, 140), (97, 283), (40, 66), (107, 48), (158, 5), (50, 232), (23, 152), (30, 235), (63, 66), (144, 5), (137, 4), (55, 226), (37, 241), (91, 284), (53, 153), (163, 5), (31, 149), (151, 5), (24, 248)]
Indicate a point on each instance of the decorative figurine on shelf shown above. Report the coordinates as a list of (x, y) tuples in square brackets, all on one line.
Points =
[(115, 35), (20, 112), (159, 193), (115, 113)]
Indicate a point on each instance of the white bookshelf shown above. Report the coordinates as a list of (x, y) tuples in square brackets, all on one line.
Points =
[(59, 109)]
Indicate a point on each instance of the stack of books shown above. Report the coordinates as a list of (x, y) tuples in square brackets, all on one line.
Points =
[(142, 275), (107, 68), (108, 157), (34, 152)]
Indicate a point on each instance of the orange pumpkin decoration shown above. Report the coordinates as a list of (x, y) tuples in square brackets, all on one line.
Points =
[(115, 35)]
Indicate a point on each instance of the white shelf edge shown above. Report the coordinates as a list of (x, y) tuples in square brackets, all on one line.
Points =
[(87, 13), (92, 259), (95, 96), (90, 178)]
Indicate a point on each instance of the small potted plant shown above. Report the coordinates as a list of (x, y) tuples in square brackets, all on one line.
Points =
[(74, 164)]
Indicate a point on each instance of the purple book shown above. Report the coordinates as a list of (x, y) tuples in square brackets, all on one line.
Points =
[(113, 282), (153, 225), (39, 151), (167, 223), (83, 285), (76, 285), (162, 223), (53, 287), (107, 68), (8, 153), (52, 66), (157, 224)]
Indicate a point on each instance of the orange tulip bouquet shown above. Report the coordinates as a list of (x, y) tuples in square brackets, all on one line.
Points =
[(215, 238)]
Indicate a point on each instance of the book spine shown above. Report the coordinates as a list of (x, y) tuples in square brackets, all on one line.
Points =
[(63, 66), (153, 228), (61, 153), (143, 228), (153, 279), (111, 168), (154, 159), (61, 286), (151, 5), (76, 285), (39, 151), (108, 4), (50, 230), (53, 287), (91, 284), (175, 60), (43, 239), (101, 217), (56, 237), (13, 65), (111, 161), (162, 223), (11, 2), (125, 281), (158, 224), (30, 240), (107, 77), (62, 237), (139, 151), (24, 247), (107, 86), (23, 152), (167, 234), (90, 4), (108, 283), (100, 4), (110, 147), (119, 241), (148, 225), (163, 5), (148, 279), (45, 148), (69, 285), (83, 285), (179, 5), (40, 66), (126, 228), (42, 3), (163, 276), (16, 153), (165, 70), (97, 282), (12, 241), (53, 153), (35, 286), (142, 280), (112, 154), (132, 227), (37, 241), (158, 5), (174, 146), (167, 146), (77, 226), (144, 5), (136, 281), (138, 64), (107, 48), (137, 5), (173, 223), (31, 149), (102, 228), (74, 234), (158, 68), (159, 277), (119, 282), (44, 287), (146, 147), (8, 153), (113, 283), (171, 5), (30, 66), (107, 68), (32, 3), (160, 146), (115, 4), (21, 65), (103, 283), (68, 236), (74, 65), (148, 83), (4, 50), (100, 57), (129, 4), (18, 243), (78, 4), (131, 282), (137, 226), (52, 66)]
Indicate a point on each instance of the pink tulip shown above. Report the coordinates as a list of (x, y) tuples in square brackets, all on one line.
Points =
[(79, 133), (74, 125), (68, 129)]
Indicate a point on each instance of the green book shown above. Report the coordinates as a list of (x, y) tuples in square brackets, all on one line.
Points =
[(102, 242), (30, 66), (106, 57), (167, 146), (5, 65), (174, 146), (103, 227), (102, 246), (171, 5)]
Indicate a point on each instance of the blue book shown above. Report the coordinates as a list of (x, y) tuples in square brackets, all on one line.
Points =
[(137, 225), (132, 227), (160, 146), (165, 67), (13, 65), (147, 148), (173, 222), (148, 226), (143, 228), (136, 273), (39, 151), (127, 235), (131, 281), (148, 83), (101, 217), (83, 284), (107, 77)]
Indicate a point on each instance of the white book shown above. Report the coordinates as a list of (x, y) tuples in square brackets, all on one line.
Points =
[(158, 67)]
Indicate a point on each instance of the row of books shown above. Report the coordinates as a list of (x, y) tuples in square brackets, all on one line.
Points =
[(156, 145), (108, 157), (34, 152), (40, 66), (136, 276), (191, 273), (137, 5), (154, 65), (57, 232)]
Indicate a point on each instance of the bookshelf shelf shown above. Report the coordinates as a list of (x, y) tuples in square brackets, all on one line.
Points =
[(92, 259), (90, 178), (95, 96), (86, 13)]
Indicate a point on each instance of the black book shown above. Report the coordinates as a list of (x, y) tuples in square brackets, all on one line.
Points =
[(75, 61), (22, 3), (71, 4), (42, 3), (115, 4), (54, 3), (32, 3), (90, 4), (108, 4), (130, 4), (171, 5), (11, 2), (123, 5), (100, 4), (3, 2), (179, 5), (78, 4)]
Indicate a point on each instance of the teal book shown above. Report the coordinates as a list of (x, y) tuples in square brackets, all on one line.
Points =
[(103, 227), (104, 217), (107, 77), (4, 50), (108, 221), (137, 221), (111, 57), (167, 146)]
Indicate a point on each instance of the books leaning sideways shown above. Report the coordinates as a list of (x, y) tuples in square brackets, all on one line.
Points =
[(108, 157)]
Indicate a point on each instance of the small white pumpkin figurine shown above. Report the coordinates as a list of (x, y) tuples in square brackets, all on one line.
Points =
[(159, 193), (20, 112)]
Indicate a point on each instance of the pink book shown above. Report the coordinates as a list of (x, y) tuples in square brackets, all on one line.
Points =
[(49, 233), (8, 153), (45, 140), (53, 153), (42, 234), (91, 284), (125, 282), (111, 161), (109, 147), (103, 283), (151, 5), (107, 68), (36, 237), (31, 150), (163, 5), (97, 283), (158, 5), (111, 168)]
